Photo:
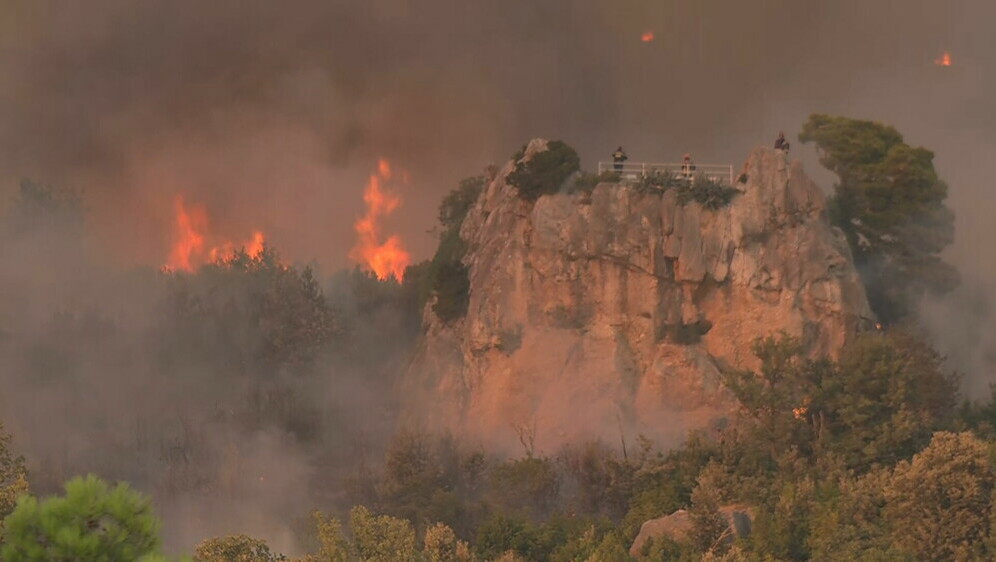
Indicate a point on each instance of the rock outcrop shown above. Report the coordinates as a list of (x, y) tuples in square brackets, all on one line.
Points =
[(596, 314), (677, 526)]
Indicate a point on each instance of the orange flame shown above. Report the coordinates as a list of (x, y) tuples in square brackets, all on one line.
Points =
[(943, 60), (387, 259), (226, 251), (647, 37), (255, 246), (189, 240), (188, 233)]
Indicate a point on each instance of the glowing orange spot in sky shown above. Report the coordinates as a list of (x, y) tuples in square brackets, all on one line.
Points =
[(943, 60), (384, 259), (647, 37)]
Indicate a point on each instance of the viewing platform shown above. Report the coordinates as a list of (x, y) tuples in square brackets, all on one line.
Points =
[(633, 171)]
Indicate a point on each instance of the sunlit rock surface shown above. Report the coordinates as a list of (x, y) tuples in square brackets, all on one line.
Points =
[(584, 307)]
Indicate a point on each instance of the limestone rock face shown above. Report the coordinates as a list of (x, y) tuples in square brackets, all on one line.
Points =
[(677, 526), (587, 310)]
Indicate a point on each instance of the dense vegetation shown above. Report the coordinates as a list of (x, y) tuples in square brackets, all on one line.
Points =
[(444, 278), (869, 456), (865, 457), (545, 172), (709, 193), (890, 203)]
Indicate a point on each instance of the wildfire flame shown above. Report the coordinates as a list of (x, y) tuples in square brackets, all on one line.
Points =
[(943, 60), (388, 258), (190, 236), (647, 37), (226, 250)]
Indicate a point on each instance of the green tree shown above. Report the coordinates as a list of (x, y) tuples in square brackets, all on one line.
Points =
[(888, 395), (13, 476), (710, 532), (500, 534), (382, 538), (889, 202), (528, 485), (235, 548), (251, 311), (442, 545), (879, 403), (848, 523), (93, 521), (332, 545), (938, 505)]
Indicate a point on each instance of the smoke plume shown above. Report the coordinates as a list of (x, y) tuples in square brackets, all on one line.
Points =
[(270, 116)]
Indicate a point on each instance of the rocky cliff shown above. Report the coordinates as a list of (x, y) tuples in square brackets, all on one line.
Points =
[(613, 312)]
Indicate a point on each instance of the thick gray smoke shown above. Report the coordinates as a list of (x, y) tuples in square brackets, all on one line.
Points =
[(272, 114)]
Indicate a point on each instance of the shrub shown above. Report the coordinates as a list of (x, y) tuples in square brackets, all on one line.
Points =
[(709, 193), (500, 534), (658, 180), (546, 171), (586, 182), (235, 548), (458, 202), (445, 275)]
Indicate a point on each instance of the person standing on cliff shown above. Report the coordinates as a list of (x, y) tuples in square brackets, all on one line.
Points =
[(687, 167), (781, 143), (618, 157)]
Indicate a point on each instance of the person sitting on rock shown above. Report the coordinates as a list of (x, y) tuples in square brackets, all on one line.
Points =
[(781, 143), (618, 157), (687, 167)]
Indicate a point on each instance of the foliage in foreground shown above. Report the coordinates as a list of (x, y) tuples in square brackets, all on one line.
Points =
[(861, 458), (93, 521)]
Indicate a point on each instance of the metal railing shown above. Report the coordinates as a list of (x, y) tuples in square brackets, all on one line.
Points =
[(633, 171)]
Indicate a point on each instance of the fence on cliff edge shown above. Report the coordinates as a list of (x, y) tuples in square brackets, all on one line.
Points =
[(633, 171)]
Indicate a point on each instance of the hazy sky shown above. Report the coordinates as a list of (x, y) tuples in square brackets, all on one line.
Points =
[(272, 114)]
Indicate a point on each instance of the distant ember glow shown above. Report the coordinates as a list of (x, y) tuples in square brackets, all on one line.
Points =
[(943, 60), (388, 258), (647, 37), (190, 235)]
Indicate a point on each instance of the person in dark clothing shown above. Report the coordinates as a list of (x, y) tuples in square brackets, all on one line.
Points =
[(618, 157), (687, 167), (781, 143)]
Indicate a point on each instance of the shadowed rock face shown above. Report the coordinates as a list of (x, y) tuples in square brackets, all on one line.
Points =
[(587, 311)]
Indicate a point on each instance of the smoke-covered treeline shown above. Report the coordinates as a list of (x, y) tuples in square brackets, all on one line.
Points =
[(249, 378)]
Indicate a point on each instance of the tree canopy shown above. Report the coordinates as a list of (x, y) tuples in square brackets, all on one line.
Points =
[(93, 521), (889, 201)]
